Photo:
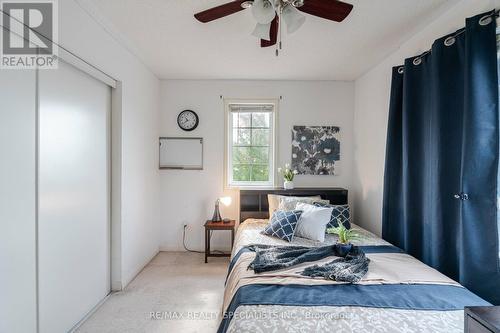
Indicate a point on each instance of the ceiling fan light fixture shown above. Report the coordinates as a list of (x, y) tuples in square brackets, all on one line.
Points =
[(262, 31), (246, 4), (297, 3), (263, 11), (293, 18)]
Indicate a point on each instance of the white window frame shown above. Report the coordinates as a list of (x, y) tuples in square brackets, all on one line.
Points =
[(228, 131)]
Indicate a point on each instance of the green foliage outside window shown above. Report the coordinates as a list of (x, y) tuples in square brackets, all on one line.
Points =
[(251, 146)]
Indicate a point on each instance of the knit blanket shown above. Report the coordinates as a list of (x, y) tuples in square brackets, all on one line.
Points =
[(351, 265)]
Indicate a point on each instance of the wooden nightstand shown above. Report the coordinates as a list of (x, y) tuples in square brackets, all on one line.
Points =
[(209, 226), (482, 319)]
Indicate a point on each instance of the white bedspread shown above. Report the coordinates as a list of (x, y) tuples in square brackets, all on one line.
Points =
[(277, 318)]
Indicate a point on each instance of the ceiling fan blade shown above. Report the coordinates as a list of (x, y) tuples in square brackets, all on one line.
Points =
[(333, 10), (273, 33), (219, 11)]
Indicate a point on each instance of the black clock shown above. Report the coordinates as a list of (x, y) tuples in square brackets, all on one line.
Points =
[(188, 120)]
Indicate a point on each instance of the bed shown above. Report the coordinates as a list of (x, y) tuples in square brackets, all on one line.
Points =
[(398, 294)]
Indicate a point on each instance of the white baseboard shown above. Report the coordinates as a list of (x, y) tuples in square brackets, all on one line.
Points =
[(180, 249), (115, 284), (90, 313), (125, 283)]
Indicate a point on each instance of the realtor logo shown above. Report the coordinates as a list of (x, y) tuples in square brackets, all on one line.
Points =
[(29, 34)]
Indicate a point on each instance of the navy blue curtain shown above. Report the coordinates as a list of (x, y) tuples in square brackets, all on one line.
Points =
[(440, 190)]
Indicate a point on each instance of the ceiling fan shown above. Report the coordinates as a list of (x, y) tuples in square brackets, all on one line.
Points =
[(268, 14)]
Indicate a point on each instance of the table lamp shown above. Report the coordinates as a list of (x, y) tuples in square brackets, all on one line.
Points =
[(226, 201)]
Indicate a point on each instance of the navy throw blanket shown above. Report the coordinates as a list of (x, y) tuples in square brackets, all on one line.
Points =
[(351, 267)]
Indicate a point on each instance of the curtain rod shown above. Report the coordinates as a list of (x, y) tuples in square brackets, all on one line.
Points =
[(449, 40), (222, 97)]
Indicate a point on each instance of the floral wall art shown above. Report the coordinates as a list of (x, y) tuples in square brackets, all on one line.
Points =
[(316, 150)]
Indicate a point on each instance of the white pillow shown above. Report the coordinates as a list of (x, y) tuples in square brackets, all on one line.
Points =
[(289, 203), (274, 201), (313, 221)]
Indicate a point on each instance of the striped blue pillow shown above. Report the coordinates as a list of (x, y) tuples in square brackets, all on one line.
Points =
[(341, 212), (283, 224)]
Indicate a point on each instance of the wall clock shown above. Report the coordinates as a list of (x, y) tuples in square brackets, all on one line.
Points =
[(188, 120)]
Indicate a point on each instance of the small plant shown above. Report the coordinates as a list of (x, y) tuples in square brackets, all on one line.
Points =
[(288, 174), (345, 235)]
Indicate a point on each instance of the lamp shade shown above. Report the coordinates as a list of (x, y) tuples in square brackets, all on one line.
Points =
[(263, 11), (226, 201), (293, 18), (262, 31)]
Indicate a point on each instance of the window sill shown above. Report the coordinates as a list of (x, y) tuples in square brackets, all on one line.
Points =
[(248, 187)]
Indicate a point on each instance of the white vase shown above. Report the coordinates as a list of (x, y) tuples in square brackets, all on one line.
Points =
[(288, 185)]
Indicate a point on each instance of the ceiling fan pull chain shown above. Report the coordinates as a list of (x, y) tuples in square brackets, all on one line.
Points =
[(278, 47), (281, 24)]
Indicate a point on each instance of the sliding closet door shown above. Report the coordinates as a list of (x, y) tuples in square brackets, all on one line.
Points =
[(17, 201), (73, 230)]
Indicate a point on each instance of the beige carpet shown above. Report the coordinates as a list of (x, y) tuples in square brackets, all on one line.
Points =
[(184, 293)]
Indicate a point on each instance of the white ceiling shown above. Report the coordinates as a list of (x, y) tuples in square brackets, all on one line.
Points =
[(167, 38)]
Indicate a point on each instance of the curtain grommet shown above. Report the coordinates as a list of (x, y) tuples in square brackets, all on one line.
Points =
[(401, 70), (485, 20), (449, 41), (417, 61)]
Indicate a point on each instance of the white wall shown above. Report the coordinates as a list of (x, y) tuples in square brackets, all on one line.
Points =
[(139, 195), (372, 92), (187, 197)]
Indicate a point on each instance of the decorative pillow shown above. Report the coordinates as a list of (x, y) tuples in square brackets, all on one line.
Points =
[(274, 201), (283, 224), (313, 221), (341, 212), (289, 203)]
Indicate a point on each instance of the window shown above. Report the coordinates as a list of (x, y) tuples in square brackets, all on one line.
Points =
[(250, 141)]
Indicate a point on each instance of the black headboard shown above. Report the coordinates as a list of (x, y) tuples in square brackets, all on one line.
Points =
[(254, 204)]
